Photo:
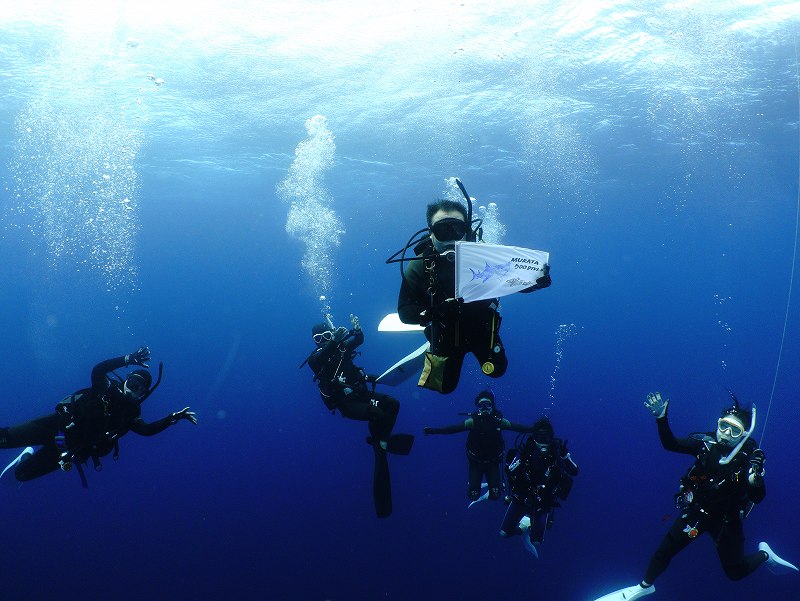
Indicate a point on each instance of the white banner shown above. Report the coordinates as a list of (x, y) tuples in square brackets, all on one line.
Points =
[(492, 270)]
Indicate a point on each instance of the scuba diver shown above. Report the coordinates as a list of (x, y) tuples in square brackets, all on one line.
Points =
[(89, 423), (453, 328), (716, 494), (540, 471), (485, 444), (343, 387)]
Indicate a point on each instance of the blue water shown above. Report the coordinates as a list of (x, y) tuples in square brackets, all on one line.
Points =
[(651, 147)]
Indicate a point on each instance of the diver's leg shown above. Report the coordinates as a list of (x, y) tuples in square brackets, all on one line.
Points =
[(443, 364), (730, 548), (354, 406), (381, 484), (359, 407), (499, 359), (514, 513), (383, 413), (380, 424), (452, 371), (39, 431), (673, 543), (475, 477), (42, 462), (538, 524), (494, 480), (490, 352)]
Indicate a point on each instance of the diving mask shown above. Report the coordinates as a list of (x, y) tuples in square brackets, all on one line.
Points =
[(326, 336), (485, 406), (729, 429), (449, 230), (134, 386), (542, 438)]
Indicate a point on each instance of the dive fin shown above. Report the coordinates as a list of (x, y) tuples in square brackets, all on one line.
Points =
[(392, 323), (628, 594), (530, 546), (525, 527), (398, 444), (16, 461), (483, 497), (382, 486), (408, 366), (775, 564)]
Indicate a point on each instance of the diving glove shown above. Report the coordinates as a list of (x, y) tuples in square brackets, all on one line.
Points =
[(656, 404), (544, 281), (756, 473)]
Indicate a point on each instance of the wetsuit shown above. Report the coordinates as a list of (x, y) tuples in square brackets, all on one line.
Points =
[(485, 447), (538, 478), (343, 386), (102, 414), (717, 504), (453, 328)]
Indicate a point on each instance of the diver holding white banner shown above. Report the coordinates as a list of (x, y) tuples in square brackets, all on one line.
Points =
[(461, 320)]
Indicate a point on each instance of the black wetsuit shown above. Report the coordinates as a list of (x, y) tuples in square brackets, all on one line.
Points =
[(101, 416), (537, 478), (485, 448), (720, 495), (343, 386), (453, 328)]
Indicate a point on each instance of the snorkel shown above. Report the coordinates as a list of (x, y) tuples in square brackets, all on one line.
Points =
[(473, 233), (153, 388), (726, 460)]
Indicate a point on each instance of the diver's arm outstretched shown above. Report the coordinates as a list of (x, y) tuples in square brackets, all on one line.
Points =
[(144, 428), (513, 427), (455, 428)]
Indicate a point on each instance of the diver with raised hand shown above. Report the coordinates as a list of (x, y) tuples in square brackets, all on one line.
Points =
[(346, 388), (89, 423), (484, 445), (716, 494), (427, 298)]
